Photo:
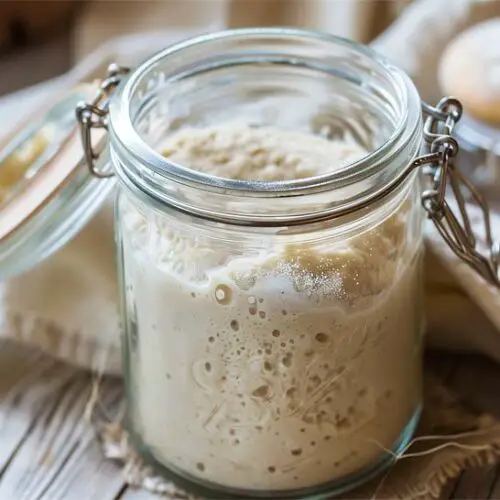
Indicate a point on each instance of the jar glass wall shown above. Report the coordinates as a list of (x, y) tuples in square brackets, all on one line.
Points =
[(272, 340)]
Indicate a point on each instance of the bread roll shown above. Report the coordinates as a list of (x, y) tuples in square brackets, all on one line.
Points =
[(470, 70)]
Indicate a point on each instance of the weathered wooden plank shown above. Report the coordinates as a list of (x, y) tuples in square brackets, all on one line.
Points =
[(475, 483), (27, 379), (494, 493), (49, 444), (87, 474), (54, 455)]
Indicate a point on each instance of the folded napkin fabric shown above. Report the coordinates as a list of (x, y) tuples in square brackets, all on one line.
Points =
[(67, 305)]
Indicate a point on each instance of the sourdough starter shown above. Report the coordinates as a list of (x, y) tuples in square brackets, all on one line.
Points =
[(281, 369)]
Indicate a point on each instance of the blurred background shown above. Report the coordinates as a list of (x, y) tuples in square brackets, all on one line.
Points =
[(40, 39)]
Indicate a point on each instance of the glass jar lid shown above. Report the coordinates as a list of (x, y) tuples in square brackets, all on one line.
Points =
[(480, 152), (47, 193)]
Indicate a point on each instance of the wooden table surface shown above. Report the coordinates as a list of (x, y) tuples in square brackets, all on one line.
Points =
[(49, 452)]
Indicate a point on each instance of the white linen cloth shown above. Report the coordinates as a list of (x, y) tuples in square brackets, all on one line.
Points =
[(67, 304)]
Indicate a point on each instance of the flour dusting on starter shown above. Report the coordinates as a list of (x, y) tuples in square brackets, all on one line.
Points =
[(281, 369)]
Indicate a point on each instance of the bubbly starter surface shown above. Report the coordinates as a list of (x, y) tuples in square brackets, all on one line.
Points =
[(281, 370)]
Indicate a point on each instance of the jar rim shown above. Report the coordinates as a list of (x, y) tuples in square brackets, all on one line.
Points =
[(127, 139)]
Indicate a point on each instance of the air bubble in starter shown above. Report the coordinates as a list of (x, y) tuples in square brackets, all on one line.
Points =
[(223, 294), (287, 360), (321, 337), (261, 392)]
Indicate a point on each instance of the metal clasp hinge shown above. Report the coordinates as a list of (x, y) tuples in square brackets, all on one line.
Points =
[(94, 114), (438, 167)]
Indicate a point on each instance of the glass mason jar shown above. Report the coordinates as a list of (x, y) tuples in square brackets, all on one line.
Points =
[(273, 340), (271, 306)]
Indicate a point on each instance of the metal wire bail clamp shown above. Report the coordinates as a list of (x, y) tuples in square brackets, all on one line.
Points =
[(94, 114)]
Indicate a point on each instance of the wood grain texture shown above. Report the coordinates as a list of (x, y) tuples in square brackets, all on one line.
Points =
[(48, 450), (22, 399), (477, 381), (475, 483), (495, 487)]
